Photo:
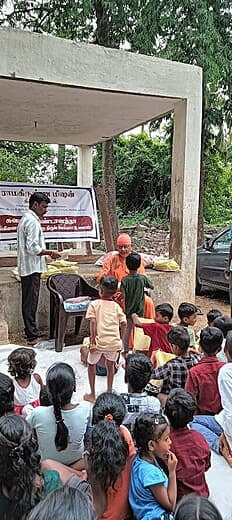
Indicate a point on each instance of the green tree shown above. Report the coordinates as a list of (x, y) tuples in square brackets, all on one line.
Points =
[(196, 32), (26, 162)]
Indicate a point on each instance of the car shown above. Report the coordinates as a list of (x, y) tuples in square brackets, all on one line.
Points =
[(212, 258)]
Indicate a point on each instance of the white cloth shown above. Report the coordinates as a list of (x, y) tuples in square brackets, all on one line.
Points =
[(42, 419), (23, 396), (30, 242), (224, 418)]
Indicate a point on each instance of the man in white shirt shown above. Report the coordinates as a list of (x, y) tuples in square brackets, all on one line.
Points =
[(31, 261)]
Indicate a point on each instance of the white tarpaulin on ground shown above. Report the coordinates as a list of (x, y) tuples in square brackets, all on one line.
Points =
[(71, 215)]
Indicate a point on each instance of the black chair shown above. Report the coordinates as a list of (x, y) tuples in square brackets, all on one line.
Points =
[(62, 287)]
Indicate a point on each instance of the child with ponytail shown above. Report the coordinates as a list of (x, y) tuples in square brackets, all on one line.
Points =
[(60, 428), (109, 458), (152, 494)]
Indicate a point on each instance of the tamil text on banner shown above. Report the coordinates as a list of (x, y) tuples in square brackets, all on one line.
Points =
[(71, 215)]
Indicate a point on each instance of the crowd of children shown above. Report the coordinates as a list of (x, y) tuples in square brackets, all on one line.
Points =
[(138, 455)]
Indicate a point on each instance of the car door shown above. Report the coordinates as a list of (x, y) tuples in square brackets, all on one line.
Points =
[(213, 261)]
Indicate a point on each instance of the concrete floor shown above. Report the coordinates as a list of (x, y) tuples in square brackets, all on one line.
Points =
[(219, 477)]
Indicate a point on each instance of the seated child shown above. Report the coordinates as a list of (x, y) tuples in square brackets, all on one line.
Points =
[(107, 327), (224, 323), (212, 315), (132, 287), (137, 374), (109, 457), (202, 380), (60, 427), (65, 502), (194, 507), (6, 395), (21, 365), (174, 372), (158, 330), (191, 449), (187, 313), (152, 494), (217, 429)]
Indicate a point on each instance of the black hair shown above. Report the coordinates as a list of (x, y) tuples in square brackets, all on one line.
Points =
[(194, 507), (228, 344), (138, 371), (185, 310), (22, 362), (165, 309), (109, 403), (179, 337), (19, 465), (109, 285), (39, 197), (148, 426), (65, 502), (211, 339), (6, 394), (44, 397), (213, 314), (224, 323), (61, 382), (180, 408), (107, 454), (133, 261)]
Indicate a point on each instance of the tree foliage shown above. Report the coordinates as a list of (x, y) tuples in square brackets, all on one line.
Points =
[(26, 162)]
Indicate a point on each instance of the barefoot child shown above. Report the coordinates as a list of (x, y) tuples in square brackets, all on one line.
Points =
[(132, 287), (152, 494), (21, 365), (107, 327)]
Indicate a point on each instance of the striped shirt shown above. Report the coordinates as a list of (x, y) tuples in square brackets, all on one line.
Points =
[(30, 242)]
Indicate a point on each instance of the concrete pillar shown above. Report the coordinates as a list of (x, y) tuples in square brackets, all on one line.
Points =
[(85, 166), (185, 188), (85, 179), (3, 324)]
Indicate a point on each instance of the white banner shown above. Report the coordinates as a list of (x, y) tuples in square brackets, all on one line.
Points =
[(71, 215)]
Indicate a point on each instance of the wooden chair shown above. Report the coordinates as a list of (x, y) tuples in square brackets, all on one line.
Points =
[(63, 286)]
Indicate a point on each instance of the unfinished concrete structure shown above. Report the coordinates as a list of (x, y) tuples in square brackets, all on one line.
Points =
[(57, 91)]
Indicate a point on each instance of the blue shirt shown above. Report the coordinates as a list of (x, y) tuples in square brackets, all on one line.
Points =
[(143, 476)]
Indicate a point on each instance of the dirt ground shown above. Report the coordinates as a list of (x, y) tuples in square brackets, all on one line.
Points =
[(211, 300)]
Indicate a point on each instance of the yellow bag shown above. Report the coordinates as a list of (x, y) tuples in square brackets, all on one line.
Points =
[(141, 341), (165, 264), (161, 357)]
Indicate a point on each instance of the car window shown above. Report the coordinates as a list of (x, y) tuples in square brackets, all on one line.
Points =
[(223, 242)]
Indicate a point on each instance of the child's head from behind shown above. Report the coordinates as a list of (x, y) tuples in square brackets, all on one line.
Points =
[(163, 313), (109, 405), (187, 313), (107, 453), (224, 323), (180, 408), (108, 286), (137, 372), (151, 434), (194, 507), (6, 394), (60, 383), (133, 261), (66, 502), (211, 339), (228, 346), (22, 362), (179, 339), (212, 315), (19, 463)]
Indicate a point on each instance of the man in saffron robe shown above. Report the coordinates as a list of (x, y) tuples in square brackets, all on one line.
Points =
[(115, 265)]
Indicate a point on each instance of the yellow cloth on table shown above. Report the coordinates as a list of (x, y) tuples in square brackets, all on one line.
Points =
[(165, 264), (141, 341)]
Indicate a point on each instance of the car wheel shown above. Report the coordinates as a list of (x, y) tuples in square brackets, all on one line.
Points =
[(198, 287)]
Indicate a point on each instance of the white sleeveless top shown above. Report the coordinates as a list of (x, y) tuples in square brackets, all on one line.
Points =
[(23, 396)]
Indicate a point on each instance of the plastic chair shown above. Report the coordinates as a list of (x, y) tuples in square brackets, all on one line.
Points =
[(63, 286)]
